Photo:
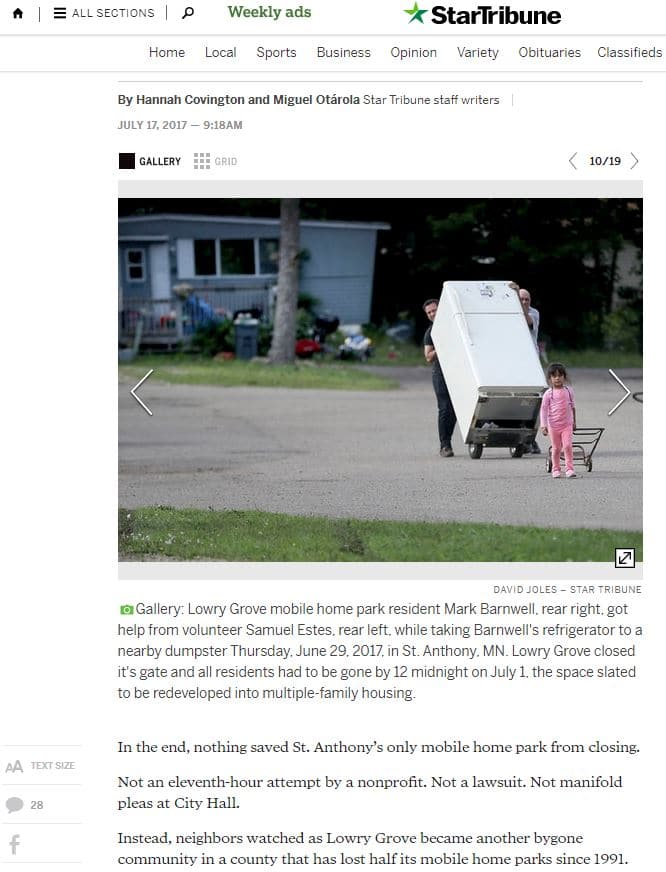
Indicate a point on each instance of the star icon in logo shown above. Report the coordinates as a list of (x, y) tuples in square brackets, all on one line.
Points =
[(416, 13)]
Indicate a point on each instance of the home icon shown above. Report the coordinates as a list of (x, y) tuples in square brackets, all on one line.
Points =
[(17, 13)]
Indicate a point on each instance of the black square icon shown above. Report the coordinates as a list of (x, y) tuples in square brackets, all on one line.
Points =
[(126, 160), (625, 558)]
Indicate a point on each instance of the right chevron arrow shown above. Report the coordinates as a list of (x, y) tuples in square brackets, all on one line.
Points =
[(624, 387)]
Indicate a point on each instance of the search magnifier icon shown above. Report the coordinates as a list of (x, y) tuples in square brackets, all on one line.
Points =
[(187, 12)]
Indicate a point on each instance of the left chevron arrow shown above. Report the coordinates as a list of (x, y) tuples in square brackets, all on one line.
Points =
[(137, 386)]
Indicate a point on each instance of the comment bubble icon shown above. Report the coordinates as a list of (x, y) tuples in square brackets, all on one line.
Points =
[(14, 803)]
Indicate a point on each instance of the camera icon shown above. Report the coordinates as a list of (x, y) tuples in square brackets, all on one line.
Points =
[(127, 610)]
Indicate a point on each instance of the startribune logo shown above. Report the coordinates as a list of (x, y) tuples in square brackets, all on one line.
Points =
[(415, 13), (483, 15)]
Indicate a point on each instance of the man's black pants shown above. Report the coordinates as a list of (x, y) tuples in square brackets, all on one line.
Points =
[(446, 416)]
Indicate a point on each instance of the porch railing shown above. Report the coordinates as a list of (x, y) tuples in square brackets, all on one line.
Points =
[(174, 321)]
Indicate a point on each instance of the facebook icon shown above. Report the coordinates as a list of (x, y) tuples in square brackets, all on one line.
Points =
[(14, 843)]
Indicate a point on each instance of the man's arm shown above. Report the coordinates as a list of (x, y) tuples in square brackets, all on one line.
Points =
[(429, 353)]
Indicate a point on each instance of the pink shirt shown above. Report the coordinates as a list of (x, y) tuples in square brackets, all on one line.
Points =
[(557, 408)]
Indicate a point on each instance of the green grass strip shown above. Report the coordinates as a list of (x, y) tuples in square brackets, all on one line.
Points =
[(196, 534), (593, 358), (184, 370)]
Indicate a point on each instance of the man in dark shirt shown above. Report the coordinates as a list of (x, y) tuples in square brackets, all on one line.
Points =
[(446, 416)]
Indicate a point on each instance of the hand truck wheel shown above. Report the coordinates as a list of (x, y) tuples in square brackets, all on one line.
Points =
[(475, 451), (517, 451)]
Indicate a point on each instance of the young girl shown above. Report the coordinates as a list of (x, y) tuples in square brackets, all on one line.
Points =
[(558, 418)]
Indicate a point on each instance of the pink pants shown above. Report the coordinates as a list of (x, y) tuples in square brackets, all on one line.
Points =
[(561, 440)]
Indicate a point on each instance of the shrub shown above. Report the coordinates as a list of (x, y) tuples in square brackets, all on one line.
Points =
[(213, 338), (308, 302), (621, 330), (264, 339), (304, 323)]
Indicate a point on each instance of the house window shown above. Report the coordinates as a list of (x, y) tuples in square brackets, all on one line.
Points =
[(269, 254), (204, 257), (237, 257), (135, 264)]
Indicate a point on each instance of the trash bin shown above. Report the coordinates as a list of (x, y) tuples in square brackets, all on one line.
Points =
[(247, 337)]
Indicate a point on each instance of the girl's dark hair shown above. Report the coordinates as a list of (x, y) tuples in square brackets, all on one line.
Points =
[(554, 368)]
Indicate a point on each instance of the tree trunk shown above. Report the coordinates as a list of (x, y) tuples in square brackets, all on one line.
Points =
[(284, 322)]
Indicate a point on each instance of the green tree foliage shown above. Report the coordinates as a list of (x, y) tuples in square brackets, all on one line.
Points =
[(568, 253)]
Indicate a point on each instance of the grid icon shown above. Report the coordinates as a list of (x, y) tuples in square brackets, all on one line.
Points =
[(126, 160), (201, 160)]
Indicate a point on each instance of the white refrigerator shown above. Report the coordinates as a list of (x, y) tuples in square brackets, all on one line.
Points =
[(490, 364)]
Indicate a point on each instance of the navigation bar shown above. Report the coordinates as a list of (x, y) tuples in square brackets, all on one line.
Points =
[(341, 55)]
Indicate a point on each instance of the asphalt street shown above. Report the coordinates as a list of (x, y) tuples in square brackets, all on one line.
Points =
[(369, 454)]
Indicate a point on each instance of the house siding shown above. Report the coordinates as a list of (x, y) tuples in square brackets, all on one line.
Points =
[(338, 269)]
